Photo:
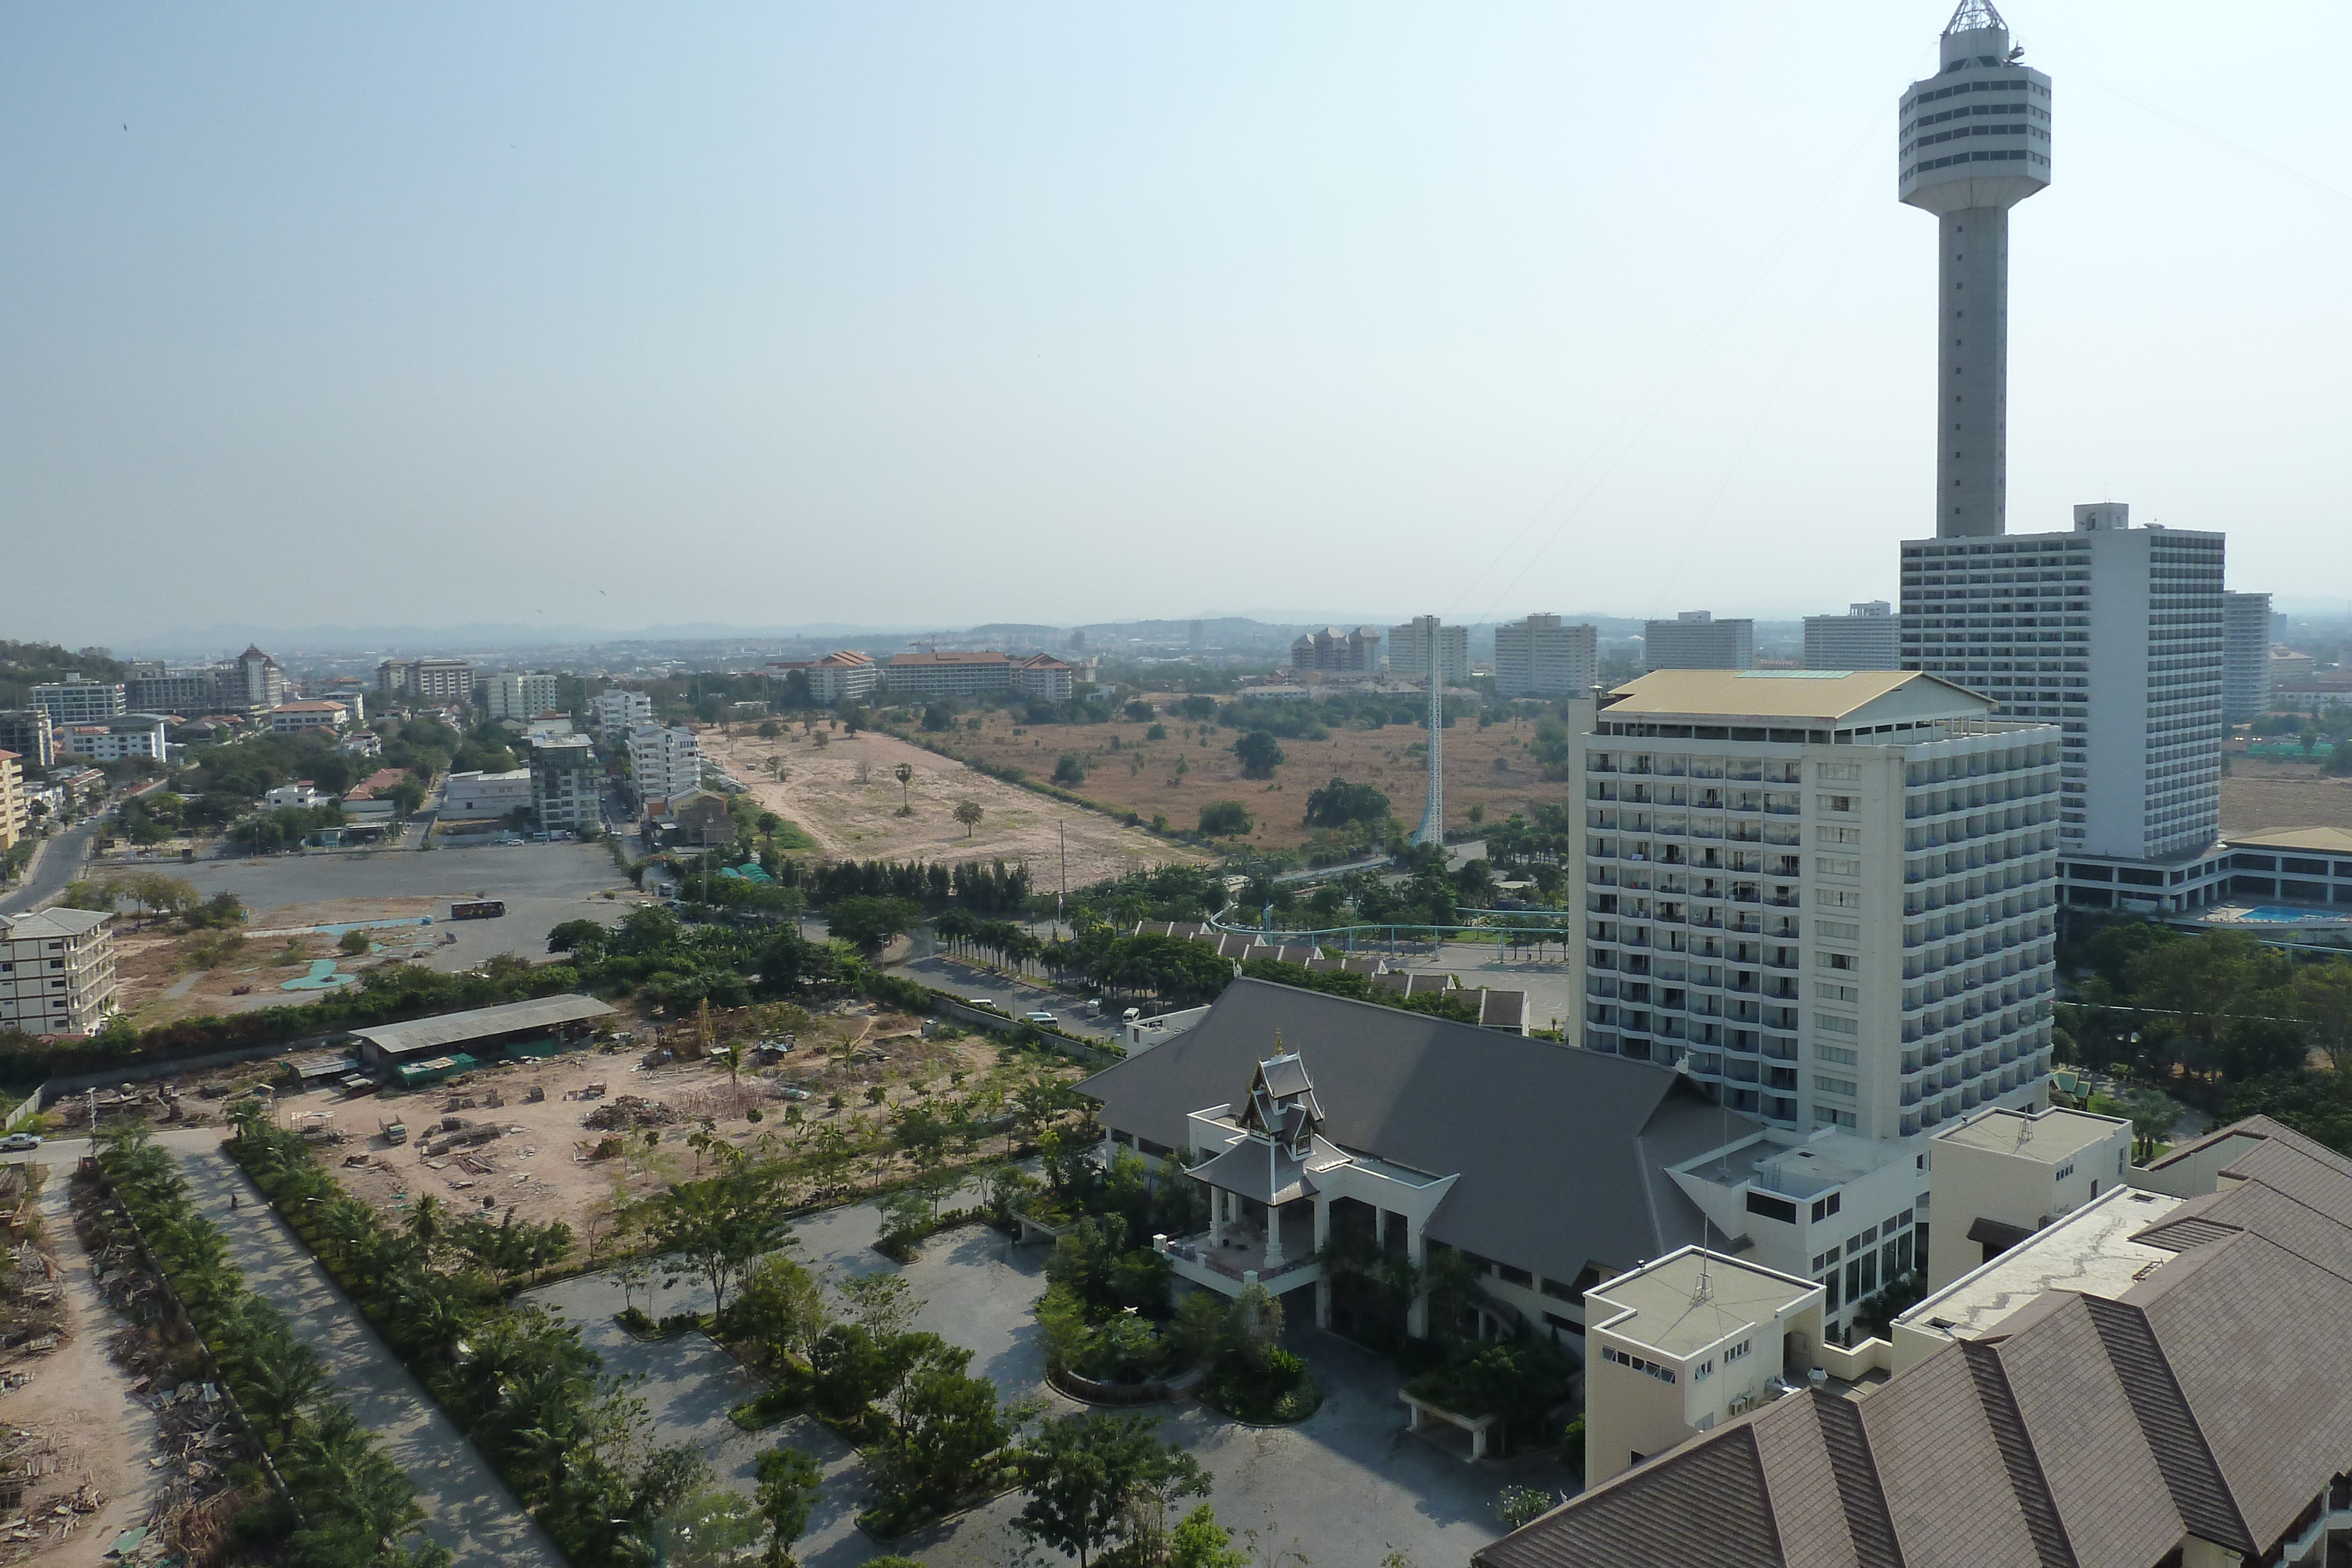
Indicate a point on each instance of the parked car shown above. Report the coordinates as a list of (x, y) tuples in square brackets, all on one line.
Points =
[(16, 1141), (1041, 1017), (979, 1002)]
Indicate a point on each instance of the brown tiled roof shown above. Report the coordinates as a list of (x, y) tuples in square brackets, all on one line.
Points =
[(2212, 1399)]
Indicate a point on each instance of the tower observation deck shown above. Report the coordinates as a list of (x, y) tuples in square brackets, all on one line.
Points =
[(1975, 141)]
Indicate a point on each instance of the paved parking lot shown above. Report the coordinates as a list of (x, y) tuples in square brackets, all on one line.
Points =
[(1349, 1486), (541, 884)]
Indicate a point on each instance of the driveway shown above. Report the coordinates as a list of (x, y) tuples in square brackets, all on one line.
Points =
[(1349, 1485), (468, 1509)]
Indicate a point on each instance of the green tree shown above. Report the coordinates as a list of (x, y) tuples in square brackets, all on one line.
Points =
[(1226, 819), (789, 1481), (352, 944), (778, 1306), (1340, 804), (968, 812), (1200, 1542), (869, 924), (1069, 770), (723, 1222), (1260, 754), (1098, 1478)]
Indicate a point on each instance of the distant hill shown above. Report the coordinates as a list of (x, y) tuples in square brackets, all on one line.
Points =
[(24, 665)]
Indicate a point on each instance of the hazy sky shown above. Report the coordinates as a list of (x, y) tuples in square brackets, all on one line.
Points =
[(770, 313)]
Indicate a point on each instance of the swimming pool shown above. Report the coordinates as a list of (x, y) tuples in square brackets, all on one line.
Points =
[(2282, 914)]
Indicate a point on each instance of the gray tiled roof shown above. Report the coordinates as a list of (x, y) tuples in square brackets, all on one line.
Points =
[(2212, 1399), (1561, 1153), (480, 1023)]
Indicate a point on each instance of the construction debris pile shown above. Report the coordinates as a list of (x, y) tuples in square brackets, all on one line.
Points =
[(626, 1113), (457, 1133), (722, 1102), (45, 1492)]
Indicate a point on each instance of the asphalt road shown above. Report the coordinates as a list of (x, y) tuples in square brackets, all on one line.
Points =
[(59, 863)]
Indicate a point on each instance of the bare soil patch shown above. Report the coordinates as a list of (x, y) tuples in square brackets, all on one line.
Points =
[(547, 1165), (1490, 768), (844, 796), (2261, 796)]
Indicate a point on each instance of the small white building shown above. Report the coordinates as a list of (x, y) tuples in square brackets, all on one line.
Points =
[(474, 795), (301, 794), (664, 763), (1682, 1345), (2002, 1175), (287, 719)]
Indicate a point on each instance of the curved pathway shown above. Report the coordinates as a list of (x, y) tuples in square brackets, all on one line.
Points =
[(468, 1508)]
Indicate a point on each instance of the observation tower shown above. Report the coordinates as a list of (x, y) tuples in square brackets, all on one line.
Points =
[(1975, 141)]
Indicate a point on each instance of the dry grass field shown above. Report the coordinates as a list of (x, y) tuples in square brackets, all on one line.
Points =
[(846, 797), (2261, 797), (1486, 767)]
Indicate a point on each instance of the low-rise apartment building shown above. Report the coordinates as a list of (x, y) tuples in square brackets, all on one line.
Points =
[(1332, 650), (426, 680), (522, 696), (189, 691), (31, 734), (1043, 678), (57, 971), (474, 795), (76, 701), (616, 710), (566, 784), (13, 805), (2003, 1176), (664, 764), (130, 735), (290, 718)]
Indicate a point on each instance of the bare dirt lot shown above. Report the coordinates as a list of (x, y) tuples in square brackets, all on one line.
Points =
[(1486, 768), (856, 818), (2261, 797), (578, 1158)]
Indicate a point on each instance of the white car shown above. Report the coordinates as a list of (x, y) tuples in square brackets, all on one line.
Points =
[(16, 1141), (1041, 1017)]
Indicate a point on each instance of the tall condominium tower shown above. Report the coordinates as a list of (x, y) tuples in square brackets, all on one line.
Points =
[(1696, 640), (1975, 141), (1538, 657), (1832, 895), (2114, 633), (1867, 639), (2245, 656)]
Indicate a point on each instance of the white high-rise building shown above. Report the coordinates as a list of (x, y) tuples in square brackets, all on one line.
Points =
[(1409, 651), (76, 701), (1832, 895), (664, 763), (1538, 657), (1974, 142), (522, 696), (1867, 638), (1696, 640), (566, 784), (616, 710), (2116, 634), (2245, 656)]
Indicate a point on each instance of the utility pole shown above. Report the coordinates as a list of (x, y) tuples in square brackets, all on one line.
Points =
[(1062, 825)]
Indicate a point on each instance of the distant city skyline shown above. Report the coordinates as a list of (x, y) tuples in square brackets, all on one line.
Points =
[(763, 315)]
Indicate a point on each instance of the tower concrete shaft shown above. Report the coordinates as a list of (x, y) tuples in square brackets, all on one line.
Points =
[(1975, 141)]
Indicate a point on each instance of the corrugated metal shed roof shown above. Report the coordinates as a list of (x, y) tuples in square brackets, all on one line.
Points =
[(438, 1034)]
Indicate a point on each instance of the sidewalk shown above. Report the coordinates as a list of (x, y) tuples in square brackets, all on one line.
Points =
[(468, 1508)]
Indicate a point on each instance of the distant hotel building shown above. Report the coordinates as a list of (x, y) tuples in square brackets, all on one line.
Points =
[(1330, 651), (1831, 896), (1868, 637), (2040, 622), (127, 735), (2245, 656), (522, 696), (1538, 657), (1696, 640), (1409, 651), (843, 674), (1040, 677)]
